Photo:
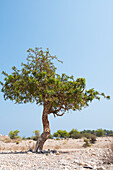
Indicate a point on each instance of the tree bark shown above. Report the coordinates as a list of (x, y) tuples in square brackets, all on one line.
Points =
[(46, 131)]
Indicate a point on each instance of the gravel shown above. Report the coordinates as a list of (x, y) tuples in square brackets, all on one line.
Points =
[(95, 157)]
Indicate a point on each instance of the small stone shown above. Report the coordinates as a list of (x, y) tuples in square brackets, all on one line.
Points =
[(76, 161), (101, 168), (81, 163), (88, 167), (80, 168), (54, 151), (57, 153), (30, 150)]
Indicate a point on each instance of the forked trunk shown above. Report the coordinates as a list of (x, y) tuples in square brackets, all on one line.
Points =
[(46, 131)]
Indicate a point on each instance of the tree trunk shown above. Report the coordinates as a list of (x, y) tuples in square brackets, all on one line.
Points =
[(46, 131)]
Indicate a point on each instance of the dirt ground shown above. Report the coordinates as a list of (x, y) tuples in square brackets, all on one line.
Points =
[(70, 154), (6, 144)]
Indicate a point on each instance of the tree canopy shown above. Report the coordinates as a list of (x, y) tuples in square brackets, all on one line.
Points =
[(38, 82)]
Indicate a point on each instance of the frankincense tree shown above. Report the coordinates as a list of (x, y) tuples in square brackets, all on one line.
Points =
[(38, 82)]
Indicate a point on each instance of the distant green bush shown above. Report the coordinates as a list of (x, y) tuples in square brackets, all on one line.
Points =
[(61, 134), (86, 135), (99, 132), (111, 134), (88, 131), (89, 136), (76, 135), (108, 132), (37, 135), (73, 131), (57, 139), (56, 134), (23, 138), (14, 134), (28, 138), (50, 136)]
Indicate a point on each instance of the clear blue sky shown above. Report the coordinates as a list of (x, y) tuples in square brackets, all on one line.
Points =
[(80, 33)]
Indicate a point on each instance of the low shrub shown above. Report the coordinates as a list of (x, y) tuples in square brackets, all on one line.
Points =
[(14, 134), (73, 131), (35, 138), (91, 137), (111, 134), (24, 138), (61, 134), (50, 136), (87, 143), (57, 138), (37, 135), (86, 135), (76, 135), (99, 132), (56, 134), (17, 142)]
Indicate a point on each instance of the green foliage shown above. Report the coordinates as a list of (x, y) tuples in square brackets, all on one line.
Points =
[(57, 139), (111, 134), (87, 143), (50, 136), (38, 82), (89, 136), (99, 132), (75, 134), (56, 134), (61, 134), (88, 131), (108, 132), (14, 134), (73, 131), (92, 139), (35, 138), (23, 138), (37, 135)]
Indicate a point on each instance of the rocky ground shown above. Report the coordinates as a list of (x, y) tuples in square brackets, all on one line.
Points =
[(62, 154)]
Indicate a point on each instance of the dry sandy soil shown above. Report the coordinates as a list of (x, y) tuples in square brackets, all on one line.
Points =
[(70, 154)]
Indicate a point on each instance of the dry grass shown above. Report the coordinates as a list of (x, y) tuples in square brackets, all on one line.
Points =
[(65, 142), (10, 145), (57, 147), (23, 149), (7, 140)]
